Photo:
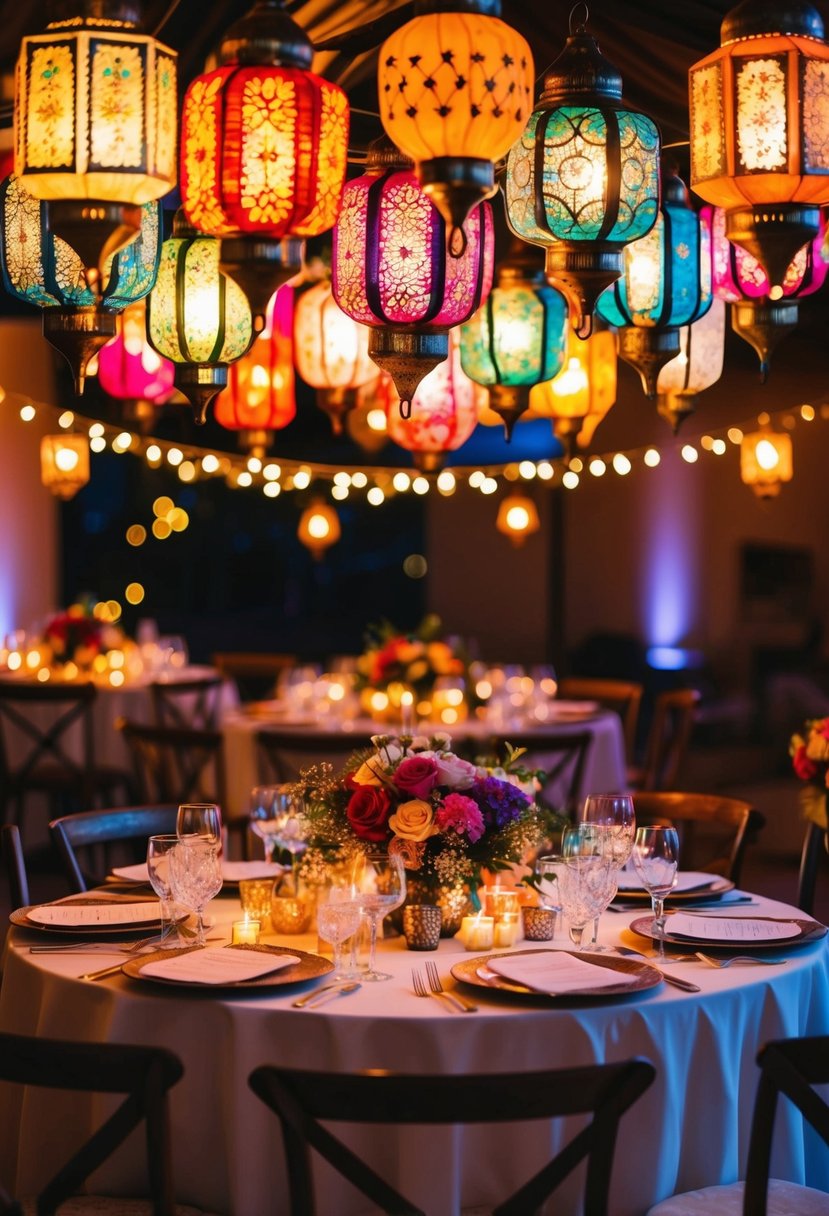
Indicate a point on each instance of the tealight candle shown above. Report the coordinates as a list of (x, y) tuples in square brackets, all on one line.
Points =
[(507, 929), (476, 932), (245, 932)]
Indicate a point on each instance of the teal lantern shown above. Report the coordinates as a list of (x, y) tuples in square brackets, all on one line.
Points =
[(517, 338), (583, 179), (666, 282), (79, 307)]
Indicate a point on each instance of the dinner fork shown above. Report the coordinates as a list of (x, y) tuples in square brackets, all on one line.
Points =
[(420, 988), (738, 958), (438, 990)]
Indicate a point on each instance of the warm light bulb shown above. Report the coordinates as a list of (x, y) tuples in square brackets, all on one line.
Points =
[(766, 455), (376, 421), (518, 519), (318, 527), (570, 381), (66, 459)]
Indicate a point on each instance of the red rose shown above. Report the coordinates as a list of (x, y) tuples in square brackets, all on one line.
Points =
[(417, 776), (805, 768), (368, 812)]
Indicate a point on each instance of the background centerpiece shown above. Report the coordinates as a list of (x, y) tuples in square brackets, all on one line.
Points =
[(809, 751), (419, 676), (448, 818)]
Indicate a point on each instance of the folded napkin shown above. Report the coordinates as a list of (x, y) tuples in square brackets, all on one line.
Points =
[(222, 965), (106, 912), (730, 928), (232, 871), (556, 972), (686, 880)]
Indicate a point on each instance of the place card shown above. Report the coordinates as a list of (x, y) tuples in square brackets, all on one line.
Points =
[(108, 912), (730, 928), (557, 972), (221, 965)]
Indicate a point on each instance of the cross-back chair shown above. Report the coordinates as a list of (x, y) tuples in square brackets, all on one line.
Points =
[(255, 675), (47, 747), (175, 765), (302, 1099), (284, 755), (143, 1075), (563, 757), (668, 738), (14, 865), (91, 842), (187, 704), (714, 830), (789, 1068), (622, 696)]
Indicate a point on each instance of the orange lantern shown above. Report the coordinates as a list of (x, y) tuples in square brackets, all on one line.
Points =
[(319, 527), (766, 461), (331, 351), (517, 518), (260, 397), (579, 397)]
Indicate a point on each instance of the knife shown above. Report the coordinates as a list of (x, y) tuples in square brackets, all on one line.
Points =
[(320, 995), (667, 976)]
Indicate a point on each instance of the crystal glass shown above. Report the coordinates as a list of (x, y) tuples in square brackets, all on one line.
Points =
[(263, 816), (158, 867), (202, 819), (615, 818), (656, 856), (379, 883), (338, 918), (588, 878), (291, 820), (196, 874)]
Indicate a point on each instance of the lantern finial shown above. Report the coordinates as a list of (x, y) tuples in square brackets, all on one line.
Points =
[(78, 333), (763, 323)]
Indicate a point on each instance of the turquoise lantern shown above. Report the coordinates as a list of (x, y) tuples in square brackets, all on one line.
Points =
[(518, 337), (666, 282), (583, 179)]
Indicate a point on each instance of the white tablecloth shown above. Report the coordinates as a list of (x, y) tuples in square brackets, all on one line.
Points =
[(690, 1129)]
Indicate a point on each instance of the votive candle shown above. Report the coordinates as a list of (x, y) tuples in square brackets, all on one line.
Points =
[(476, 932), (245, 932), (507, 929)]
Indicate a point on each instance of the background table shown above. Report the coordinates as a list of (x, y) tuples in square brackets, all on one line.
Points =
[(690, 1129)]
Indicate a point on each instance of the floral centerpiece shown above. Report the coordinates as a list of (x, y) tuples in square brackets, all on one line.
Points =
[(416, 659), (448, 819), (810, 758), (80, 637)]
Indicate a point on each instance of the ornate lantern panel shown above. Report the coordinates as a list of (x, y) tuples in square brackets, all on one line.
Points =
[(766, 461), (64, 464), (393, 272), (698, 365), (455, 86), (261, 392), (583, 179), (330, 350), (582, 393), (759, 144)]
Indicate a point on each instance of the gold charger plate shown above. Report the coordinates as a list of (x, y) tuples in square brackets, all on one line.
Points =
[(720, 886), (808, 931), (309, 967), (20, 917), (645, 975)]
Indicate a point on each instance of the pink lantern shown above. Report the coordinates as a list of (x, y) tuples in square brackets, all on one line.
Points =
[(132, 372), (444, 412)]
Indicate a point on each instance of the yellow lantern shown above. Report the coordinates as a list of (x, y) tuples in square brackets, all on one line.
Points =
[(331, 351), (517, 518), (579, 397), (64, 464), (319, 527), (766, 461)]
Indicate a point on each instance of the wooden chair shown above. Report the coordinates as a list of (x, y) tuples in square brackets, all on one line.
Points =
[(563, 757), (791, 1067), (285, 754), (91, 842), (622, 696), (187, 704), (175, 765), (667, 742), (714, 831), (812, 858), (48, 729), (301, 1099), (143, 1075), (14, 865), (255, 675)]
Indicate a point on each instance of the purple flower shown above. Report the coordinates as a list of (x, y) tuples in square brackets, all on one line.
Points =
[(501, 803), (462, 815)]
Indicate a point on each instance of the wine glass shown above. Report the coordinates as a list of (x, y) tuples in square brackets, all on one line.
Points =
[(158, 867), (338, 918), (379, 884), (588, 877), (655, 856), (263, 816), (202, 819), (615, 818), (196, 876), (291, 821)]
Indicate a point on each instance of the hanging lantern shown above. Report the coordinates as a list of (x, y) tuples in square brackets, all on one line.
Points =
[(517, 337), (455, 86), (95, 124), (579, 397), (64, 464), (331, 351), (665, 283), (583, 179), (392, 270), (319, 527), (260, 397), (39, 268), (197, 317), (367, 424), (758, 129), (517, 518), (697, 366), (263, 150), (132, 372), (766, 461), (444, 413), (740, 280)]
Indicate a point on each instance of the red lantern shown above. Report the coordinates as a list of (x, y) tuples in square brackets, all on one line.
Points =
[(260, 396)]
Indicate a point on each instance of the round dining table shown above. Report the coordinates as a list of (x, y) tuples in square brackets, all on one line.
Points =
[(690, 1129)]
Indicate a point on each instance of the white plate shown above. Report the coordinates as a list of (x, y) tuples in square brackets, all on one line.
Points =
[(572, 709), (94, 916)]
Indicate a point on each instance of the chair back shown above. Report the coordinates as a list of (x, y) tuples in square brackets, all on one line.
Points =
[(175, 765), (142, 1074), (622, 696), (91, 842), (812, 859), (284, 755), (14, 865), (302, 1099), (255, 675), (39, 726), (668, 739), (187, 704), (563, 757), (714, 831)]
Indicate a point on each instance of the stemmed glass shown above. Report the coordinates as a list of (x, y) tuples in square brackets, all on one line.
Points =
[(338, 918), (291, 820), (379, 884), (655, 856), (158, 867), (196, 876), (202, 819), (587, 880), (614, 817), (264, 816)]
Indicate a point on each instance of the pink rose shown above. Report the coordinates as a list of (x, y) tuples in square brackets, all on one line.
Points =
[(368, 812), (455, 773), (805, 768), (417, 776)]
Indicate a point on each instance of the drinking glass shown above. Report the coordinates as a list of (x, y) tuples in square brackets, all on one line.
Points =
[(614, 817), (547, 869), (196, 874), (263, 816), (655, 856), (158, 866), (202, 819), (291, 821), (379, 883), (583, 890), (338, 918)]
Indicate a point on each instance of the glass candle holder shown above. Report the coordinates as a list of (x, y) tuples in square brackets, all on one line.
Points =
[(255, 897), (290, 913), (245, 932), (477, 932)]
